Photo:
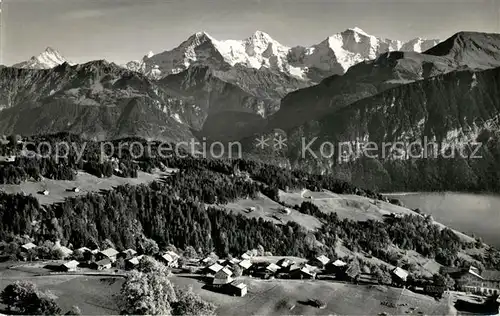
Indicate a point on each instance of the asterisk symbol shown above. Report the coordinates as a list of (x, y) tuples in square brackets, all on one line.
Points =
[(262, 142), (279, 142)]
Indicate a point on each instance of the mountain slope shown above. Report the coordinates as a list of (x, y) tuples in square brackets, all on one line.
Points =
[(471, 49), (241, 95), (455, 109), (213, 97), (54, 96), (97, 99), (361, 81)]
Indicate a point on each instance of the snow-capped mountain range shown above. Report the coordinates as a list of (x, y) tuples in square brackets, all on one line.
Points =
[(49, 58), (334, 55)]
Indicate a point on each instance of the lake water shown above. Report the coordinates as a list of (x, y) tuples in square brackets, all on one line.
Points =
[(476, 214)]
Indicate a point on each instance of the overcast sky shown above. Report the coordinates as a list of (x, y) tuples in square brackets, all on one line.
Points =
[(122, 30)]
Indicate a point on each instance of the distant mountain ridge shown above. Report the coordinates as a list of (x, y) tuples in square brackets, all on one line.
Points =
[(214, 99), (334, 55)]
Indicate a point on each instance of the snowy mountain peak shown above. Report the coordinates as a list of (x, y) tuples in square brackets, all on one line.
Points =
[(50, 50), (261, 45), (202, 34), (49, 58), (199, 37), (261, 36), (358, 30), (150, 54)]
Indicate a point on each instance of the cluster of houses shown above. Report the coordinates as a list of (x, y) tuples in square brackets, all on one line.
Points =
[(222, 274), (222, 271), (97, 259), (105, 259)]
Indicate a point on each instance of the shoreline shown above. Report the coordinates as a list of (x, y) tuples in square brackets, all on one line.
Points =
[(403, 193), (477, 193)]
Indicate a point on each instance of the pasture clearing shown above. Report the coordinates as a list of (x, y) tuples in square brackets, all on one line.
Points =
[(270, 210), (275, 297), (61, 189)]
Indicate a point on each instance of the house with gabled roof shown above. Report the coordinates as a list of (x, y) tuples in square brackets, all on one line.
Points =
[(486, 282), (127, 254), (84, 250), (399, 276), (69, 266), (109, 253), (238, 289), (303, 272), (234, 261), (28, 246), (265, 270), (339, 263), (284, 263), (65, 251), (350, 272), (222, 277), (245, 264), (246, 256), (207, 260), (101, 264), (321, 261), (170, 259), (214, 268), (337, 266), (272, 267), (133, 262)]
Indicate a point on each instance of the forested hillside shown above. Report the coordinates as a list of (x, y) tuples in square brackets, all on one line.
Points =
[(456, 115), (174, 211)]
